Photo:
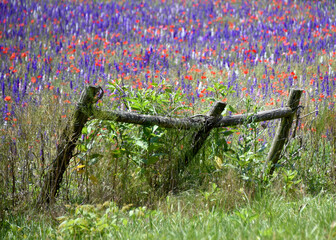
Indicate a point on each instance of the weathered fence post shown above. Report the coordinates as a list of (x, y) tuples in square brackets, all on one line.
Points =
[(200, 136), (284, 126), (67, 144)]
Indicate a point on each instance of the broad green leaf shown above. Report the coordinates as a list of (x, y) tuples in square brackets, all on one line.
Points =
[(151, 160), (227, 133), (155, 127), (231, 108), (84, 130), (81, 148), (219, 162), (141, 144)]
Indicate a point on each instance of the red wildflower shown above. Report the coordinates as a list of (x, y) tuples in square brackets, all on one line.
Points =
[(8, 98), (12, 56)]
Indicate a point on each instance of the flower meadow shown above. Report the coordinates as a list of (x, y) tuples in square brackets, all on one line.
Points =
[(202, 50)]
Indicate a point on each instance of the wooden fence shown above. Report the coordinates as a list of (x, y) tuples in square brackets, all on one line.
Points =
[(201, 124)]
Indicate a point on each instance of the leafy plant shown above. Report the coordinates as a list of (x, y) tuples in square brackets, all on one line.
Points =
[(220, 91), (290, 180), (248, 156), (89, 222)]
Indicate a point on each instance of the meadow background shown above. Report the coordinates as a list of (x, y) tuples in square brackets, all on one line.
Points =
[(168, 58)]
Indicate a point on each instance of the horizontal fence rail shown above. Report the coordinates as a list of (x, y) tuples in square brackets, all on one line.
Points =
[(192, 122)]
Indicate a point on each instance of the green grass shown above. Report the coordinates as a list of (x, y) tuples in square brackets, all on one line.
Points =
[(268, 217)]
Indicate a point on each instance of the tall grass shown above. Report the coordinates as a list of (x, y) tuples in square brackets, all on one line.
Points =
[(191, 215)]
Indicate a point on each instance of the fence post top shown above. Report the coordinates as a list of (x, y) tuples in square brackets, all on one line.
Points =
[(294, 97), (296, 90), (217, 109)]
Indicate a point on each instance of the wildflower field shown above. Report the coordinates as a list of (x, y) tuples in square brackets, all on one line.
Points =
[(168, 58)]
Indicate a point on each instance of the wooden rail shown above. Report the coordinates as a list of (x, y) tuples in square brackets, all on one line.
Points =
[(193, 122), (201, 124)]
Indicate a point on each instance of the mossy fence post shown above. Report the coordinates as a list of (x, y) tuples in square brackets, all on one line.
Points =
[(282, 132), (67, 144)]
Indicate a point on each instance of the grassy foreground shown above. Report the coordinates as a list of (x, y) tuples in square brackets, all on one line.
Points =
[(179, 217)]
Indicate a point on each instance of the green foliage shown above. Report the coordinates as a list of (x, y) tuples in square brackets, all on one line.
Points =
[(182, 217), (89, 222), (157, 99), (220, 91), (247, 158), (269, 217), (290, 180), (103, 220), (28, 225)]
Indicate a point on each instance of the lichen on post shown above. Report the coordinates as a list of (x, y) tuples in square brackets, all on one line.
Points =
[(284, 126), (69, 137)]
